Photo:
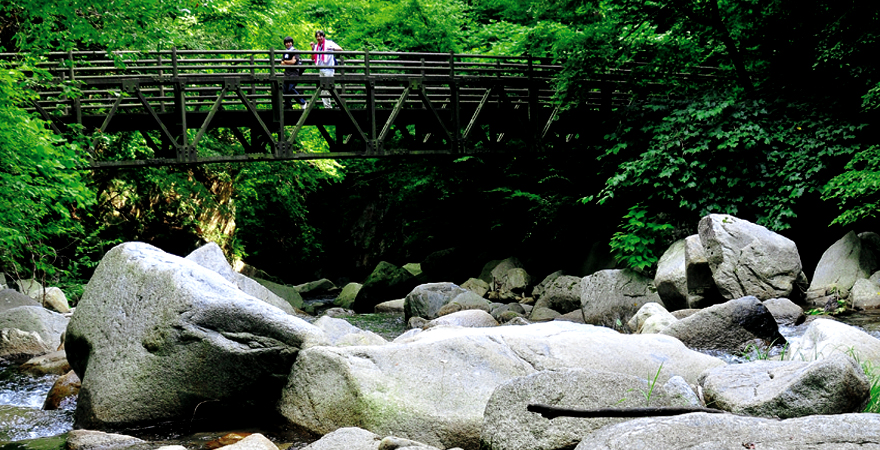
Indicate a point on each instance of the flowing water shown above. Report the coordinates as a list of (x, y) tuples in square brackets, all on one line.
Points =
[(25, 426)]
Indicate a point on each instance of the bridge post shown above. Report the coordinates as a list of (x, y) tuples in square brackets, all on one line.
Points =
[(370, 86), (534, 107), (77, 107), (457, 141)]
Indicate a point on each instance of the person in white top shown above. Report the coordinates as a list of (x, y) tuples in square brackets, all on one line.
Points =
[(324, 61)]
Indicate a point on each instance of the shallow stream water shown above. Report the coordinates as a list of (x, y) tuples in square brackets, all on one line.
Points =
[(25, 426)]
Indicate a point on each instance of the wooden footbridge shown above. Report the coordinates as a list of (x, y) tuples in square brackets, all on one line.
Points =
[(384, 104)]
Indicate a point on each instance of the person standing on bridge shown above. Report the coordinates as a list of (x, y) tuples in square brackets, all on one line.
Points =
[(291, 72), (324, 60)]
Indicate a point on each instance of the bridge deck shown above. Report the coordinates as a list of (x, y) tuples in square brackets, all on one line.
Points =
[(385, 103)]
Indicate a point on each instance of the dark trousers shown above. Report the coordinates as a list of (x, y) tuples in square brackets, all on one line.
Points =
[(290, 88)]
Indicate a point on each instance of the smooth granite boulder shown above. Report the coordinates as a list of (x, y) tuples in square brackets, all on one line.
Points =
[(211, 256), (748, 259), (786, 389), (611, 297), (433, 386), (730, 432), (156, 335)]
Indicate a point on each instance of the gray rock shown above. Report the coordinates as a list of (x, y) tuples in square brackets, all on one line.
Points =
[(785, 311), (612, 297), (727, 327), (865, 293), (32, 288), (211, 257), (426, 300), (287, 293), (748, 259), (10, 298), (148, 321), (494, 271), (701, 289), (681, 393), (54, 299), (539, 288), (477, 286), (650, 318), (63, 393), (515, 308), (348, 438), (847, 260), (507, 425), (671, 278), (49, 325), (17, 345), (468, 318), (51, 363), (465, 301), (563, 294), (353, 438), (347, 296), (254, 441), (96, 440), (316, 288), (391, 306), (340, 332), (786, 389), (514, 284), (433, 387), (542, 314), (824, 337), (385, 282), (731, 432)]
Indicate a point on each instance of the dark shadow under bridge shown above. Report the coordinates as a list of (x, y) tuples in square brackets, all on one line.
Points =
[(385, 103)]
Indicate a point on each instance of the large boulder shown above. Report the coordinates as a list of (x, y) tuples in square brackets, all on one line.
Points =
[(433, 386), (211, 257), (49, 325), (426, 299), (786, 389), (10, 298), (732, 432), (563, 294), (612, 297), (748, 259), (156, 335), (671, 278), (728, 327), (386, 282), (539, 288), (851, 258), (514, 284), (824, 337), (508, 425)]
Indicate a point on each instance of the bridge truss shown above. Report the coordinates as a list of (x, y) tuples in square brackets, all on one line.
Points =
[(385, 104)]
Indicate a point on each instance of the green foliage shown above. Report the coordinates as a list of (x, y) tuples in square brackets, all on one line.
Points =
[(42, 195), (641, 240), (651, 384)]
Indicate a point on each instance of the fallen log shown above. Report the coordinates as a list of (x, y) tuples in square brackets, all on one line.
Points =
[(552, 412)]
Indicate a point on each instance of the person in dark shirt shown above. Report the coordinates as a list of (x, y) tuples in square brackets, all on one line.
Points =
[(291, 60)]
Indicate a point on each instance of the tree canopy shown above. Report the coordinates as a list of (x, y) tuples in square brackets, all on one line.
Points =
[(748, 107)]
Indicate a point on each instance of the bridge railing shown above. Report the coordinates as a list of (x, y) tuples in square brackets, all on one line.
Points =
[(103, 77)]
